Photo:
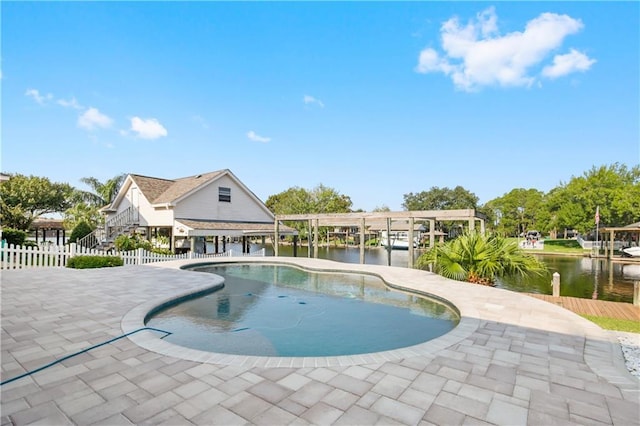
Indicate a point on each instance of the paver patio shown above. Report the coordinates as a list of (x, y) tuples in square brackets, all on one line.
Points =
[(512, 360)]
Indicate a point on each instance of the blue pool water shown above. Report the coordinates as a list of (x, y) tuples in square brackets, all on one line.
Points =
[(274, 310)]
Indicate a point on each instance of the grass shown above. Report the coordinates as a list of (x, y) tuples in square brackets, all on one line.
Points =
[(615, 324), (563, 246), (557, 246)]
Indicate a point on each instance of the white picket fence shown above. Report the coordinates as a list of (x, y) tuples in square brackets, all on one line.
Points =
[(18, 257)]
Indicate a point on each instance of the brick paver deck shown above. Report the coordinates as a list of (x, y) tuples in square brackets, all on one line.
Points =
[(512, 360)]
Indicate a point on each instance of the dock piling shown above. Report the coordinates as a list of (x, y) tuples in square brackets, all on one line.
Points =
[(556, 284)]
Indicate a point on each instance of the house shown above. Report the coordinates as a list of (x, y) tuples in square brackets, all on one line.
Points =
[(181, 213)]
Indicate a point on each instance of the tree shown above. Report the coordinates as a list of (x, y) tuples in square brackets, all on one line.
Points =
[(479, 258), (82, 212), (320, 199), (615, 189), (87, 204), (441, 199), (296, 200), (517, 211), (25, 198), (103, 193), (81, 230)]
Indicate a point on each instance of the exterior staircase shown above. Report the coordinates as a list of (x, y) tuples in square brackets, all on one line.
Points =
[(102, 238)]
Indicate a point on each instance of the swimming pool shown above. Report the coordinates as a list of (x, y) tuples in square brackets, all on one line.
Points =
[(285, 311)]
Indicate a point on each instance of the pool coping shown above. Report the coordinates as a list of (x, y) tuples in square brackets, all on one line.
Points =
[(135, 319), (476, 305)]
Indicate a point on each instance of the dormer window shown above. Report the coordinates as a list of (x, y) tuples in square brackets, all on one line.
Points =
[(224, 194)]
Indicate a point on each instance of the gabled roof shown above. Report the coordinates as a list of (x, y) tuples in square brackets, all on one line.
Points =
[(162, 191), (166, 192)]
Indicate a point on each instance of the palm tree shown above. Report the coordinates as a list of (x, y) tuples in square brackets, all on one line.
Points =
[(479, 258), (87, 204), (103, 193)]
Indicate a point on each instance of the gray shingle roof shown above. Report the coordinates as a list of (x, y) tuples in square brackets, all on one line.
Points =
[(158, 190)]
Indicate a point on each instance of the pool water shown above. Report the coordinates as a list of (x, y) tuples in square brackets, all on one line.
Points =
[(275, 310)]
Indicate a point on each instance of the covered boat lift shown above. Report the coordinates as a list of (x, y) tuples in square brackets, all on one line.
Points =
[(632, 229), (360, 220)]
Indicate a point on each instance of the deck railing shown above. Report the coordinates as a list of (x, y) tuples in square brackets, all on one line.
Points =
[(18, 257), (115, 226)]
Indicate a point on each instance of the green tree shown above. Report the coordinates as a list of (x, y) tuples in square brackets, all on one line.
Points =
[(517, 211), (81, 230), (87, 204), (25, 198), (479, 258), (320, 199), (614, 189), (296, 200), (82, 212), (102, 193), (441, 199)]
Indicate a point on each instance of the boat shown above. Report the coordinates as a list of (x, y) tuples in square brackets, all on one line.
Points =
[(631, 251), (399, 240)]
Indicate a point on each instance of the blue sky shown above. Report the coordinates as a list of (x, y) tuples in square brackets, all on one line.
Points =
[(375, 100)]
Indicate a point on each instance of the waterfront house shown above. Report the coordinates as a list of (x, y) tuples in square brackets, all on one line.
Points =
[(180, 213)]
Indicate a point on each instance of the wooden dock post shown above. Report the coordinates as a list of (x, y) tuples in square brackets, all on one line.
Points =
[(556, 284), (636, 293)]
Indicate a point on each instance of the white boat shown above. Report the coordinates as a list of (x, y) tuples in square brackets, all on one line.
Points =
[(399, 240), (631, 251)]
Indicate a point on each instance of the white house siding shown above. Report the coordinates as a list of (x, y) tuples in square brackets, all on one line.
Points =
[(148, 216), (204, 204), (155, 217)]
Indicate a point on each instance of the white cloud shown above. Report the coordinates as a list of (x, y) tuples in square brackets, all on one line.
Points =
[(311, 100), (149, 128), (36, 96), (93, 118), (71, 103), (476, 55), (573, 61), (257, 138)]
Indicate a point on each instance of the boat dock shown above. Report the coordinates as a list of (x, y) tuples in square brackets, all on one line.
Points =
[(600, 308)]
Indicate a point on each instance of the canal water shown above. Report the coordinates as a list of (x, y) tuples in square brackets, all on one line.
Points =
[(582, 277)]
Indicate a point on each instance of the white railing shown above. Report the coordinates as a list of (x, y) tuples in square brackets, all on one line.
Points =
[(124, 218), (112, 228), (590, 245), (93, 239), (17, 257)]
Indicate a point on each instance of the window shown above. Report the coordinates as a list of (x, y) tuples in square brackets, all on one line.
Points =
[(224, 194)]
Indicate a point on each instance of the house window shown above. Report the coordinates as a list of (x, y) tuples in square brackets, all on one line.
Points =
[(224, 194)]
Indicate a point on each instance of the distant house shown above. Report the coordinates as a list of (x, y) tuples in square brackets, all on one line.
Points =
[(181, 213)]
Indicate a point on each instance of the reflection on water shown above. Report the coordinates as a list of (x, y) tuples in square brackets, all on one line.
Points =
[(582, 277), (275, 310), (579, 276)]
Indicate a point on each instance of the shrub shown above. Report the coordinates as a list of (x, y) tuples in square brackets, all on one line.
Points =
[(14, 236), (131, 242), (164, 251), (86, 262), (124, 243), (81, 230)]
